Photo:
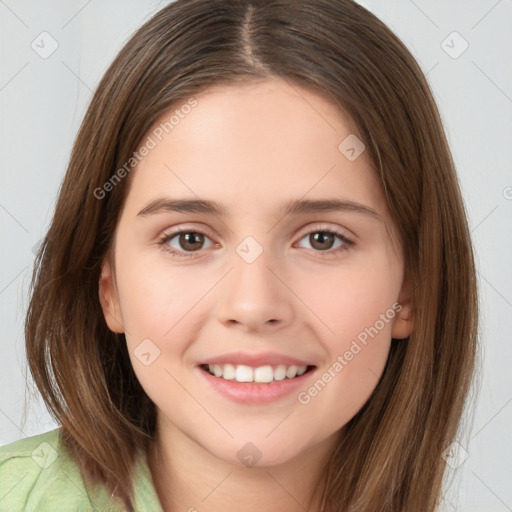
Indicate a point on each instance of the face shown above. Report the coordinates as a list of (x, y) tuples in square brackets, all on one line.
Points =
[(252, 245)]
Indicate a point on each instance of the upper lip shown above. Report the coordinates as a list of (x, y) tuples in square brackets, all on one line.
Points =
[(255, 360)]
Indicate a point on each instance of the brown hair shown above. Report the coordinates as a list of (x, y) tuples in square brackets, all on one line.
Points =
[(390, 456)]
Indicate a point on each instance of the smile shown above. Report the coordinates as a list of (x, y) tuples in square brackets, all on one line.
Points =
[(261, 374)]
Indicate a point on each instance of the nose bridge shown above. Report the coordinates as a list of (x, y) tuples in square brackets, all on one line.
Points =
[(255, 295)]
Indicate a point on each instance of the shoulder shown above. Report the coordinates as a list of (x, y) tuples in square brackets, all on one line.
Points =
[(37, 474)]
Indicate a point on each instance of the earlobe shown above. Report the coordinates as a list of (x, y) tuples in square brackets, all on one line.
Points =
[(109, 300), (403, 324)]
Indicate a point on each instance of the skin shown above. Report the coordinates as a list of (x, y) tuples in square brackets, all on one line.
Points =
[(251, 148)]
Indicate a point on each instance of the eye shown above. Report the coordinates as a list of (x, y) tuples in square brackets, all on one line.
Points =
[(322, 241), (187, 241)]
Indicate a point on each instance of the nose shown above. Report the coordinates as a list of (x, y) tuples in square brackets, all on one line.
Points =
[(255, 296)]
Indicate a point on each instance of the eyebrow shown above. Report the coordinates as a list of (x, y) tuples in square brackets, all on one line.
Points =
[(164, 204)]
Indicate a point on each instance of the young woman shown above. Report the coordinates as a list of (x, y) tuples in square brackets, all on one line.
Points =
[(258, 288)]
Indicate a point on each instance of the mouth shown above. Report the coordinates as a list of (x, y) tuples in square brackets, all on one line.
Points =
[(265, 374)]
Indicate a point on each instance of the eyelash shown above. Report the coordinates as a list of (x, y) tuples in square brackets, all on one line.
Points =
[(163, 243)]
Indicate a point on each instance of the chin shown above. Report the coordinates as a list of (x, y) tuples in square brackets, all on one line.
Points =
[(256, 454)]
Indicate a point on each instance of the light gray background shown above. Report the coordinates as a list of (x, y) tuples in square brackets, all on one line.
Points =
[(43, 100)]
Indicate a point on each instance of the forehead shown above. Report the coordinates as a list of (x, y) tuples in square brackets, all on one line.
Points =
[(254, 142)]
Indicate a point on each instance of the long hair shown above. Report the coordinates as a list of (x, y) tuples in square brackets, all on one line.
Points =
[(390, 456)]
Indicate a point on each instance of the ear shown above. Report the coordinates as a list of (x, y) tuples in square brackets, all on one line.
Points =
[(109, 299), (403, 323)]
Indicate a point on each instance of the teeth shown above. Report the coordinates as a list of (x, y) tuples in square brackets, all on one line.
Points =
[(228, 371), (263, 374), (291, 372), (243, 373), (280, 372)]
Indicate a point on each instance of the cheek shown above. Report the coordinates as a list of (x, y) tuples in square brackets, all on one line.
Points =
[(164, 307), (357, 307), (157, 307), (351, 298), (155, 298)]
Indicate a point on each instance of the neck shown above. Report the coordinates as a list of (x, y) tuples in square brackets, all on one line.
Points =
[(188, 478)]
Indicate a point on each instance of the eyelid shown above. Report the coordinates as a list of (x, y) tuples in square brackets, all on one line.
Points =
[(340, 230), (316, 227), (179, 228), (166, 236)]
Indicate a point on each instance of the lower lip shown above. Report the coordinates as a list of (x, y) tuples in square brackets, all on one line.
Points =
[(253, 393)]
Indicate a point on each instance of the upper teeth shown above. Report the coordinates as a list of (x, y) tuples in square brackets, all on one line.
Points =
[(243, 373)]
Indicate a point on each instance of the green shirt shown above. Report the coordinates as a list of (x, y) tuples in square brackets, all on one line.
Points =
[(37, 474)]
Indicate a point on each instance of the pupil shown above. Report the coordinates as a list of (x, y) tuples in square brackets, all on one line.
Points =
[(322, 237), (191, 240)]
